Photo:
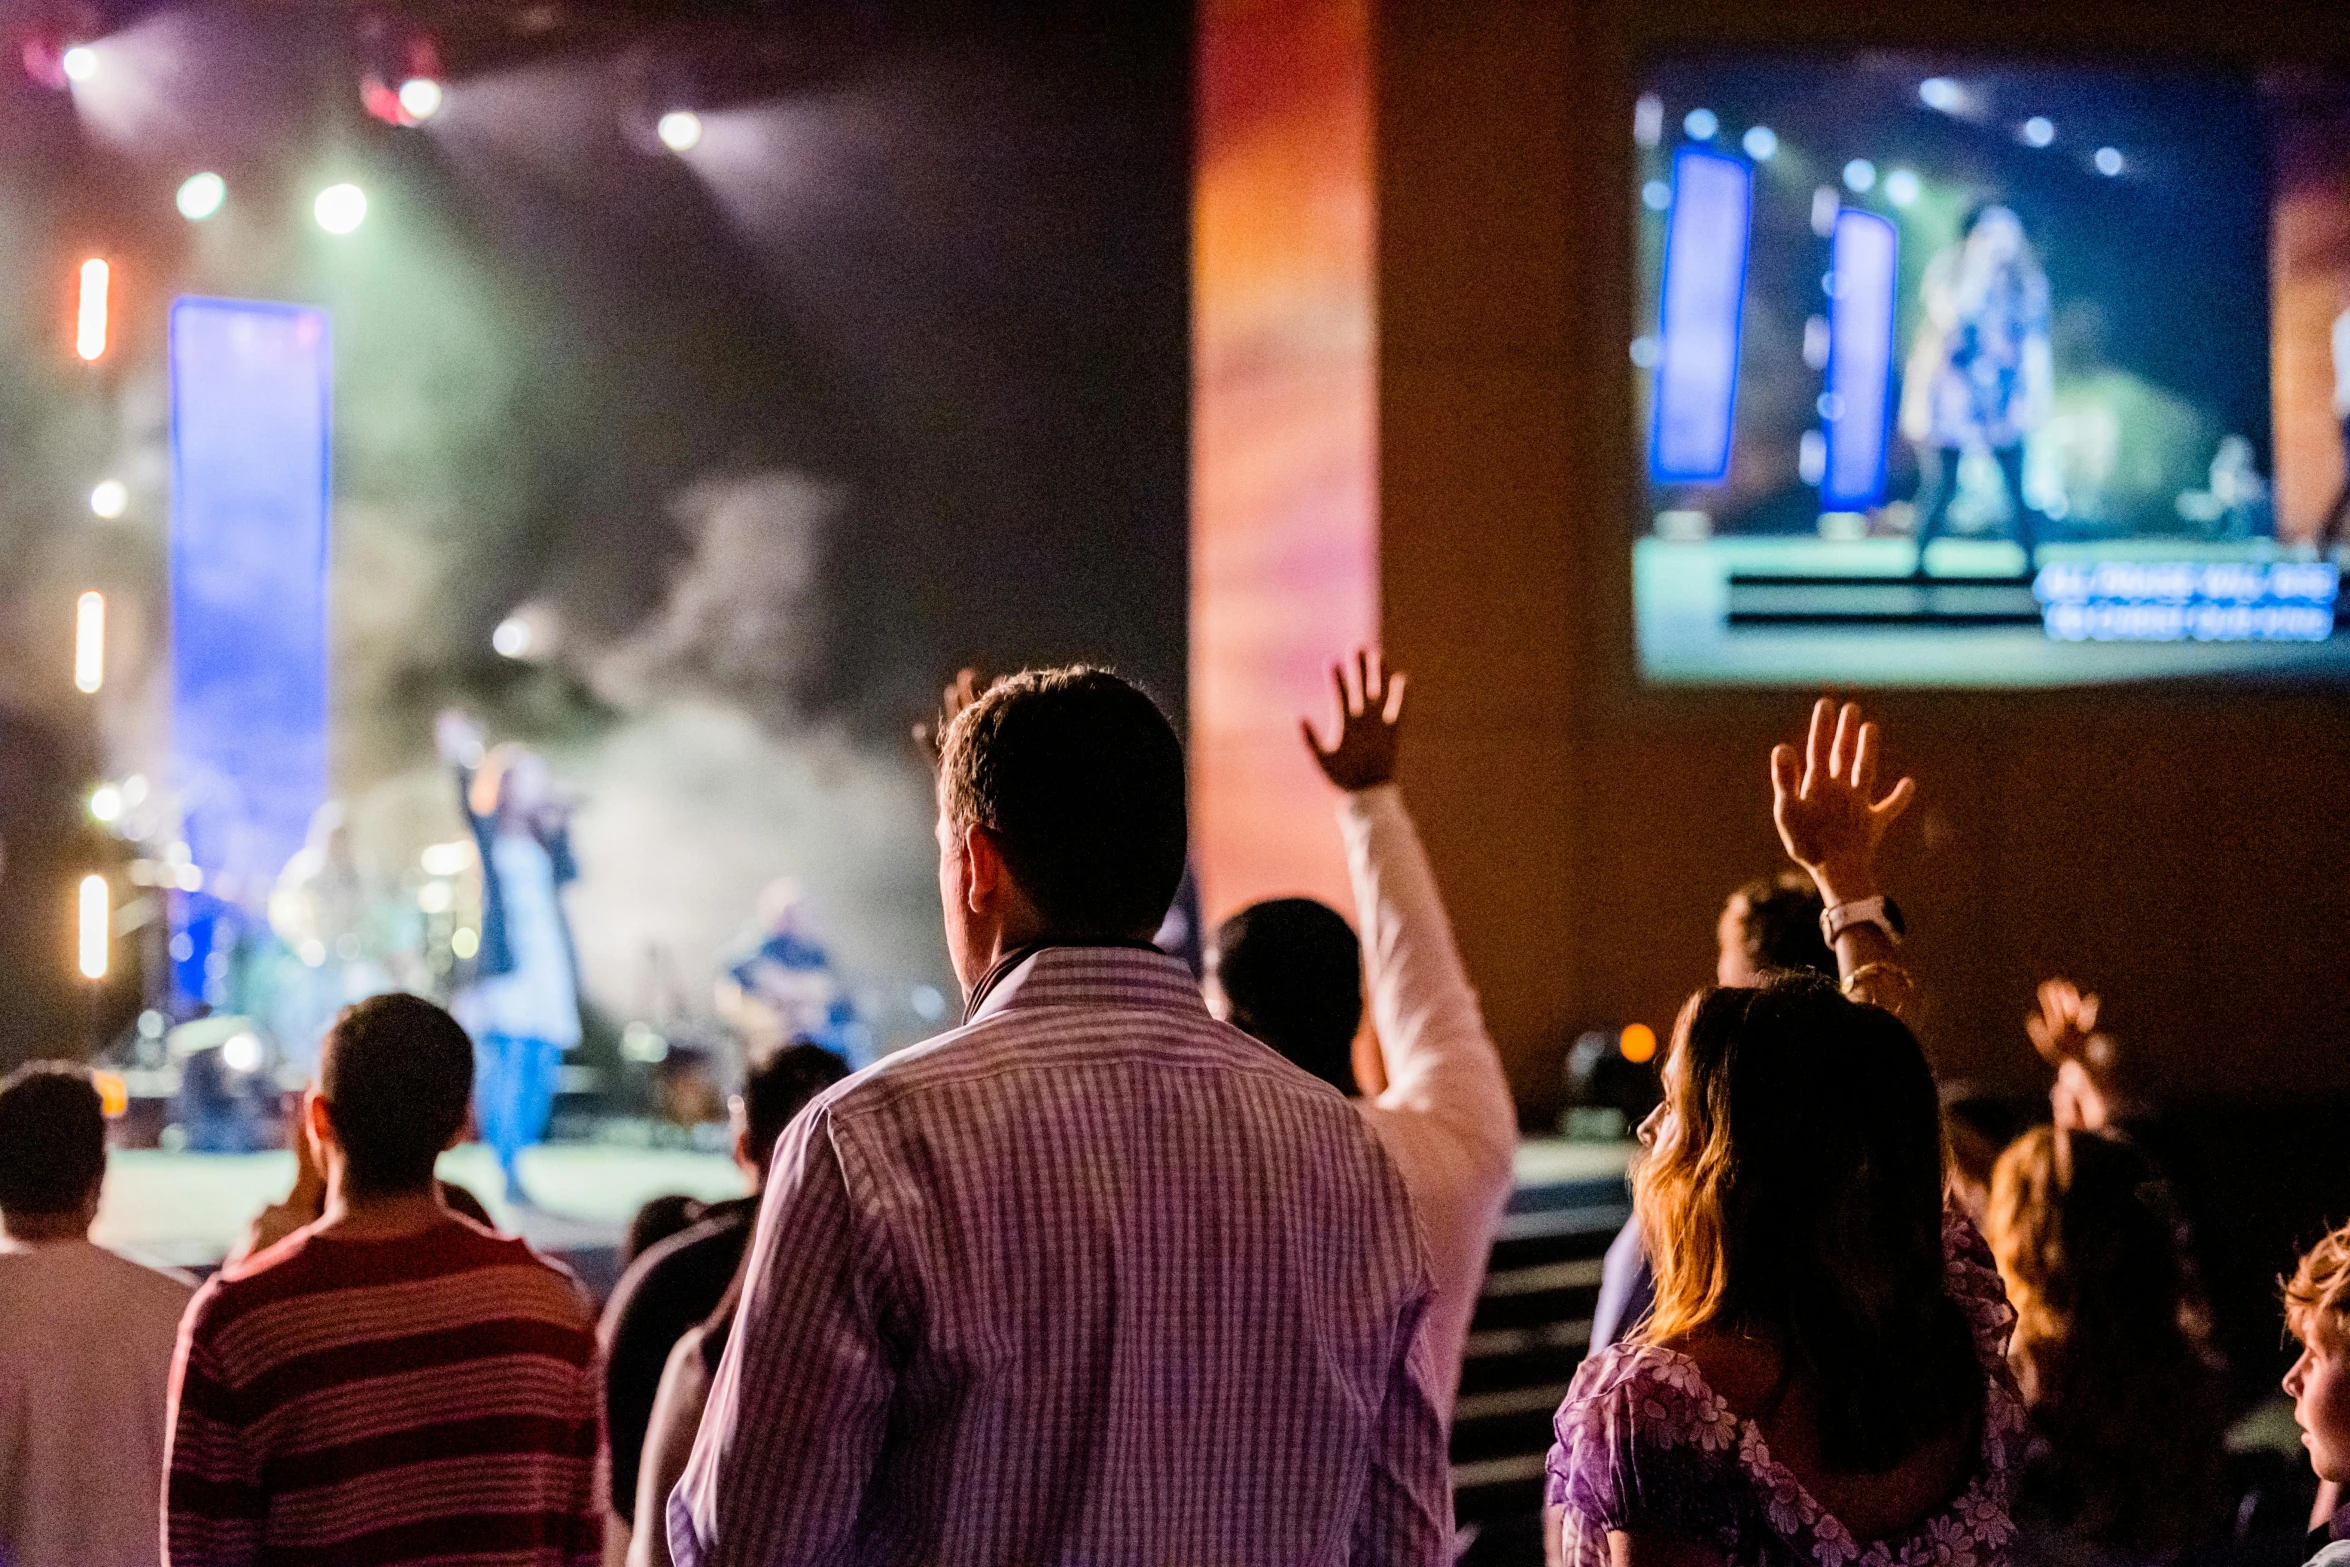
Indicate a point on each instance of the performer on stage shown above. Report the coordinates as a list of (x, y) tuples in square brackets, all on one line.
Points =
[(346, 937), (777, 985), (522, 1004), (1980, 373)]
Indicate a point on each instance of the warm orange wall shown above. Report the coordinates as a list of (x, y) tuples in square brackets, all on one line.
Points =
[(1284, 433), (2187, 851)]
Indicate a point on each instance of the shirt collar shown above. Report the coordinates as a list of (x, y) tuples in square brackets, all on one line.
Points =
[(1107, 973)]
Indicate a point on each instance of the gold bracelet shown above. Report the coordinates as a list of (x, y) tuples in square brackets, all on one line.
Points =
[(1869, 971)]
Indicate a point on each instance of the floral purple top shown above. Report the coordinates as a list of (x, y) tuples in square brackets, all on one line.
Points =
[(1643, 1443)]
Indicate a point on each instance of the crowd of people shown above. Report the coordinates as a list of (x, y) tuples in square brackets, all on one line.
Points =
[(1128, 1268)]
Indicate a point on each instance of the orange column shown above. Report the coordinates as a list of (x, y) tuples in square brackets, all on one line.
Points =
[(1284, 500)]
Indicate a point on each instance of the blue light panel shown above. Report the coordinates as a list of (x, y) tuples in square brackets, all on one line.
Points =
[(1863, 261), (250, 387), (1704, 290)]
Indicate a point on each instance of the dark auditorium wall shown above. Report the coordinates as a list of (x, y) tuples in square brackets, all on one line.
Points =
[(2183, 849)]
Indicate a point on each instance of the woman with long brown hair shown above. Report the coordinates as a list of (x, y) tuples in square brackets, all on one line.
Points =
[(1823, 1378)]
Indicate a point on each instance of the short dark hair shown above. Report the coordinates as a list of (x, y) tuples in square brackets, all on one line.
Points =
[(779, 1085), (1293, 972), (396, 1073), (1079, 777), (52, 1138), (1782, 925)]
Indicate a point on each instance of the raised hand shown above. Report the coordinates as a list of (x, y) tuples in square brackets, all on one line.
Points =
[(2064, 1031), (458, 737), (1370, 716), (966, 689), (1825, 803)]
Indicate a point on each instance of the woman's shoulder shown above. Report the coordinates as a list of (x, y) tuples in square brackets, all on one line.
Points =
[(1648, 1395)]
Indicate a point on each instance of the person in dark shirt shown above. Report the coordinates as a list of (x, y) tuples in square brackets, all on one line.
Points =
[(678, 1283)]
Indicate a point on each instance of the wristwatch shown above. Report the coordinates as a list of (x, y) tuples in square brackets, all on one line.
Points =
[(1880, 911)]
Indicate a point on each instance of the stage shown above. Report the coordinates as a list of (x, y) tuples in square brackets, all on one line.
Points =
[(187, 1209)]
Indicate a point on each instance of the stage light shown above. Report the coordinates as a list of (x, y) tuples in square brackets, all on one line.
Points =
[(2108, 161), (1648, 120), (1761, 143), (80, 63), (89, 335), (134, 790), (512, 639), (97, 920), (114, 1094), (241, 1052), (464, 942), (1656, 195), (200, 196), (340, 208), (1645, 353), (2039, 130), (1701, 124), (1901, 187), (106, 804), (1637, 1042), (1940, 92), (420, 97), (89, 642), (110, 498), (447, 859), (1859, 175), (680, 130), (435, 897)]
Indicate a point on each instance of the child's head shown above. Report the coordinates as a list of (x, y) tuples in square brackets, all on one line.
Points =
[(2317, 1312)]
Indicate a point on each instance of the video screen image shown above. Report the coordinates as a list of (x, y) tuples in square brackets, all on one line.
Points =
[(1980, 374)]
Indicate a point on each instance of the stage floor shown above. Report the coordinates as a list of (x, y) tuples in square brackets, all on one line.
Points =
[(187, 1209)]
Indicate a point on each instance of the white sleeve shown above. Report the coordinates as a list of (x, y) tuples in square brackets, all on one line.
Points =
[(1440, 1061)]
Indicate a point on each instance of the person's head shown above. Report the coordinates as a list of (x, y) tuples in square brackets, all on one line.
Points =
[(1771, 926), (1060, 815), (1290, 972), (1791, 1189), (395, 1076), (1994, 232), (777, 1087), (2111, 1348), (512, 782), (52, 1151), (1977, 1128), (2317, 1312)]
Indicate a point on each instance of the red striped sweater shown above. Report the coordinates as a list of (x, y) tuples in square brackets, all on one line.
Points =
[(428, 1398)]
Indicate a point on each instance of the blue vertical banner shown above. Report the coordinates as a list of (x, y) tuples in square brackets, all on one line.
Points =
[(251, 385), (1863, 269), (1704, 297)]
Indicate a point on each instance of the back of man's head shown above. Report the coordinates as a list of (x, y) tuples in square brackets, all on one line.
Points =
[(52, 1140), (1292, 972), (778, 1086), (1079, 777), (1782, 926), (396, 1073)]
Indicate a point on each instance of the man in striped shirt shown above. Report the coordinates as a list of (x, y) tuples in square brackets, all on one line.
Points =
[(1093, 1278), (393, 1383)]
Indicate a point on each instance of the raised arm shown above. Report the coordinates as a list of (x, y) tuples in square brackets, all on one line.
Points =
[(1832, 824), (1432, 1039)]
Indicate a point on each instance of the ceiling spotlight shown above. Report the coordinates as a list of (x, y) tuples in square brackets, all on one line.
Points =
[(420, 97), (200, 196), (340, 208), (1859, 175), (1701, 124), (512, 639), (2039, 130), (1902, 187), (1761, 143), (110, 498), (680, 130), (1940, 92), (2109, 161), (79, 63)]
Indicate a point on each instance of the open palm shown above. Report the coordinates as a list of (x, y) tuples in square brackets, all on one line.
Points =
[(1825, 803)]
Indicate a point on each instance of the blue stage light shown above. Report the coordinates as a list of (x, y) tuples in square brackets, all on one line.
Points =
[(1704, 295)]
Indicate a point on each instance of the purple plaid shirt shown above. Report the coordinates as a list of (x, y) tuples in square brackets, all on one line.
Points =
[(1093, 1279)]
